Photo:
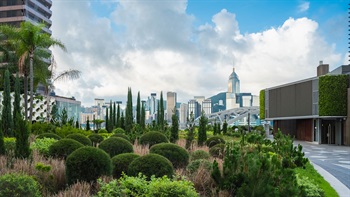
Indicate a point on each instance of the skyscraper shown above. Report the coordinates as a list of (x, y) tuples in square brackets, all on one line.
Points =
[(233, 90), (13, 12), (171, 103)]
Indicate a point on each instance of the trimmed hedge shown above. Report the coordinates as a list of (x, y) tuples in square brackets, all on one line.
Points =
[(153, 137), (95, 138), (177, 155), (80, 138), (87, 164), (333, 95), (218, 150), (102, 131), (64, 147), (194, 165), (19, 185), (116, 145), (121, 163), (262, 104), (48, 135), (199, 154), (122, 136), (214, 141), (151, 164), (118, 130)]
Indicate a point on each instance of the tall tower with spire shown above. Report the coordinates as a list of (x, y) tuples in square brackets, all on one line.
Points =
[(233, 90)]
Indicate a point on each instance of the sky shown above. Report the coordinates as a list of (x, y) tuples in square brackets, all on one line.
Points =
[(190, 46)]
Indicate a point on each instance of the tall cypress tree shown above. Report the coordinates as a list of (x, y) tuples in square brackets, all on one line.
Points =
[(107, 121), (2, 143), (161, 110), (143, 116), (224, 128), (114, 119), (22, 138), (158, 115), (6, 115), (110, 122), (16, 102), (174, 127), (128, 113), (138, 109), (202, 129), (118, 117), (122, 121), (88, 124)]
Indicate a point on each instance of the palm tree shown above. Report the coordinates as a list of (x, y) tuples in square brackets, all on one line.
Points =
[(52, 77), (29, 41)]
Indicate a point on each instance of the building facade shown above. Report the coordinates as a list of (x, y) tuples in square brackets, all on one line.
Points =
[(314, 109), (171, 104)]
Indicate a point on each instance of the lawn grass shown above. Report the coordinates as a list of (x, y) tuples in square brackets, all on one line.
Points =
[(312, 174)]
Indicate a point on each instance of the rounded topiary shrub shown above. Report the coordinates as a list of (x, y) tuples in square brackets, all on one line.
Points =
[(64, 147), (122, 136), (118, 130), (199, 154), (87, 164), (48, 135), (80, 138), (218, 150), (116, 145), (95, 138), (151, 164), (19, 185), (214, 141), (121, 162), (102, 131), (153, 137), (203, 163), (177, 155)]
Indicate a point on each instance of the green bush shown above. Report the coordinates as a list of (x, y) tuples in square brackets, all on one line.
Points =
[(19, 185), (95, 138), (121, 135), (87, 164), (63, 148), (80, 138), (118, 130), (68, 129), (194, 165), (43, 145), (42, 127), (102, 131), (308, 188), (177, 155), (199, 154), (121, 163), (48, 135), (153, 137), (217, 150), (10, 144), (214, 141), (151, 164), (116, 145), (164, 186)]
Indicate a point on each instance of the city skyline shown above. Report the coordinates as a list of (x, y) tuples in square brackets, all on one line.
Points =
[(189, 47)]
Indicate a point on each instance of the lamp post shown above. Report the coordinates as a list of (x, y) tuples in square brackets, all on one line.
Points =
[(248, 120)]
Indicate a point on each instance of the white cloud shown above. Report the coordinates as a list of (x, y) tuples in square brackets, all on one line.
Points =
[(304, 6), (157, 48)]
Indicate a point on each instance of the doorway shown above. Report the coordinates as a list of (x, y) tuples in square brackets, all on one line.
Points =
[(328, 132)]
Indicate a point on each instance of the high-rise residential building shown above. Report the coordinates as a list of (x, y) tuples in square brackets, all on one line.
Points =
[(183, 114), (206, 106), (194, 107), (13, 12), (200, 100), (171, 104)]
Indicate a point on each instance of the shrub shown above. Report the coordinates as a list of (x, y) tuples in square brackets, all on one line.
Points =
[(102, 131), (48, 135), (80, 138), (122, 136), (214, 141), (177, 155), (10, 144), (115, 146), (118, 130), (151, 164), (43, 145), (308, 188), (153, 137), (111, 188), (194, 165), (121, 163), (199, 154), (42, 127), (166, 187), (64, 147), (69, 129), (217, 150), (19, 185), (87, 164), (95, 138)]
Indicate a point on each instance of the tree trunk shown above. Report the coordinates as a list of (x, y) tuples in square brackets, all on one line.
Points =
[(25, 95), (31, 77)]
